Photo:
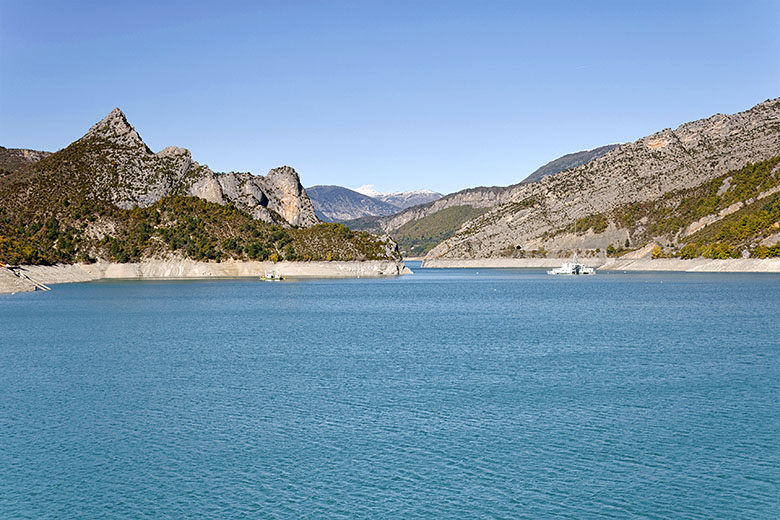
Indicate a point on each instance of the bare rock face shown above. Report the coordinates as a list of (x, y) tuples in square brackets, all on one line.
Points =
[(479, 197), (114, 127), (641, 171), (12, 159), (278, 194), (245, 191), (118, 166), (288, 197)]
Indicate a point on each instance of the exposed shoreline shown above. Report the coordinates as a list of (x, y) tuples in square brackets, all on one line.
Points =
[(528, 263), (190, 269), (702, 265)]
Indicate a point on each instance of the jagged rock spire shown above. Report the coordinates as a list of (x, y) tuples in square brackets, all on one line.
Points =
[(114, 127)]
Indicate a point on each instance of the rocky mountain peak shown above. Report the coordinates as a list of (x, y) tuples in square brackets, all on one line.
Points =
[(173, 151), (112, 164), (284, 174), (284, 185), (115, 128)]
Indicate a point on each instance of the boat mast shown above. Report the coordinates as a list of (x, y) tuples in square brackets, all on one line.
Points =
[(575, 243)]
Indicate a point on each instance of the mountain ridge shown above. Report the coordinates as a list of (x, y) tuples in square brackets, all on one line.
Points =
[(336, 203), (468, 203), (538, 215), (116, 165), (570, 160), (13, 159), (108, 196), (400, 199)]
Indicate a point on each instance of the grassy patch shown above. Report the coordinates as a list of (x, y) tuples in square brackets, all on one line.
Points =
[(417, 237)]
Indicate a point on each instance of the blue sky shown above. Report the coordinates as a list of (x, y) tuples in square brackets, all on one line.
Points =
[(403, 95)]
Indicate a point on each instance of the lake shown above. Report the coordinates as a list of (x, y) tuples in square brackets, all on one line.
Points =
[(491, 393)]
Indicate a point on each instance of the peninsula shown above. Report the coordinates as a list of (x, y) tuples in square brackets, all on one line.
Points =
[(107, 206)]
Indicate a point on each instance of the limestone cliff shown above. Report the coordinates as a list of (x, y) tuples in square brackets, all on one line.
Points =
[(116, 165), (13, 159), (633, 173), (478, 197), (279, 192), (108, 197)]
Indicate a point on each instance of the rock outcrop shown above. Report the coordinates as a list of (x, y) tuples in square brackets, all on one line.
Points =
[(637, 172), (113, 163), (479, 197), (280, 192), (12, 159)]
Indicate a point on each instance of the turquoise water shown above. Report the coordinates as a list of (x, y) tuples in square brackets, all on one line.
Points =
[(449, 393)]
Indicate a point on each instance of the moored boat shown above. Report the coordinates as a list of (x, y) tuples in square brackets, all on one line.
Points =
[(573, 268)]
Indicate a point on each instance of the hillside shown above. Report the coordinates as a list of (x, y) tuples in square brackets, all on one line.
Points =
[(420, 228), (107, 196), (641, 194), (401, 199), (13, 159), (570, 160), (417, 237), (339, 204), (335, 204)]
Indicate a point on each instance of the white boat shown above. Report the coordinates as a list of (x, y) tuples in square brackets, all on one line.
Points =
[(272, 276), (573, 268)]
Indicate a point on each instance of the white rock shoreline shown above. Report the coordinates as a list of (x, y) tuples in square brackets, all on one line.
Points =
[(189, 269), (705, 265)]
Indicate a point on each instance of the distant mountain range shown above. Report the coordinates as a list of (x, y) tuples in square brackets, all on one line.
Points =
[(400, 199), (421, 227), (364, 207), (338, 204), (570, 160)]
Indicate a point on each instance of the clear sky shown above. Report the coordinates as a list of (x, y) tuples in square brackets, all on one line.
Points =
[(403, 95)]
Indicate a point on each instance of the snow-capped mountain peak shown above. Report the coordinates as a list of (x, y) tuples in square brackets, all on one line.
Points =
[(368, 189), (402, 199)]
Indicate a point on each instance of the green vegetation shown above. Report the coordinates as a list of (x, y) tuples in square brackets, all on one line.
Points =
[(417, 237), (668, 216), (183, 226), (676, 210), (63, 209), (740, 231), (598, 223)]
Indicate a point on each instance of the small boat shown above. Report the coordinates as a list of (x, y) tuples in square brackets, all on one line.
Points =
[(272, 276), (573, 268)]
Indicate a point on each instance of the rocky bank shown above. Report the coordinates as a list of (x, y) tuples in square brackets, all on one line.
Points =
[(189, 269)]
